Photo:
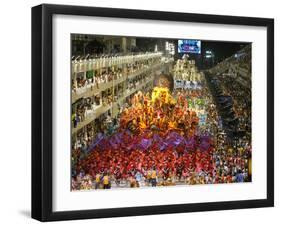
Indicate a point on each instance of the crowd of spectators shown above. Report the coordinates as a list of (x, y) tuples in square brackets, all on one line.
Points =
[(163, 138), (94, 78)]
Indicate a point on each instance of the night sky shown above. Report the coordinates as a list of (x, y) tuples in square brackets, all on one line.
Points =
[(221, 49)]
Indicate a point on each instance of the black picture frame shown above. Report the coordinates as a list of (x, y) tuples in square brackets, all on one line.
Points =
[(42, 111)]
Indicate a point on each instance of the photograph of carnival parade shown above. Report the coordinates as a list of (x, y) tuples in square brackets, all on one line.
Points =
[(152, 112)]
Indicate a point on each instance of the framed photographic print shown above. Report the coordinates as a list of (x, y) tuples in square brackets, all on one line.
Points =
[(146, 112)]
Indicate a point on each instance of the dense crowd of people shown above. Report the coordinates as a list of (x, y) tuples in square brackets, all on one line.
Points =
[(162, 137), (158, 136), (94, 78), (86, 107), (159, 143), (238, 86)]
